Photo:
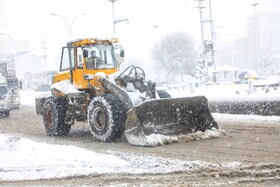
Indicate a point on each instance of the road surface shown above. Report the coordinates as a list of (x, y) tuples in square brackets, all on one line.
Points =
[(254, 144)]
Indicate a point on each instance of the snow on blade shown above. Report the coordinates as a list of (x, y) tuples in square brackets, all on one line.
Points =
[(212, 133), (153, 140), (158, 139), (150, 140)]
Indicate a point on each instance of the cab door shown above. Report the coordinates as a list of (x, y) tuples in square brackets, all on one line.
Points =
[(66, 65)]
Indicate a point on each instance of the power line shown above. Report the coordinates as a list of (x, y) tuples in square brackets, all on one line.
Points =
[(262, 30), (232, 28)]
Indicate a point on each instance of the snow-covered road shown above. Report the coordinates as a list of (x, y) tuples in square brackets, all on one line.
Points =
[(23, 159), (247, 150)]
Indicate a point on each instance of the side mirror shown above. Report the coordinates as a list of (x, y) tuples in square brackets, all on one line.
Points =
[(88, 76), (20, 84), (85, 53)]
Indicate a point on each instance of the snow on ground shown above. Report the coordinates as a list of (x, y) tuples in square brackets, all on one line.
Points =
[(23, 159)]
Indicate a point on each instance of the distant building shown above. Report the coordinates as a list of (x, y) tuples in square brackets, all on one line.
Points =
[(226, 74), (29, 68)]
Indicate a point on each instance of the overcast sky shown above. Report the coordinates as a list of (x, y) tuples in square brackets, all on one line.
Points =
[(34, 18)]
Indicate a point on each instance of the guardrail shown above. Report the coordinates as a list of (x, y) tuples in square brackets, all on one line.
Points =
[(264, 108)]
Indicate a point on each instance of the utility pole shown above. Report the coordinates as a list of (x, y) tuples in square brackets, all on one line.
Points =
[(44, 59), (213, 37), (200, 7), (202, 58), (207, 42), (256, 38)]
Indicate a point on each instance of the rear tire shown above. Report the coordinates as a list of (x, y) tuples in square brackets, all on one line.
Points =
[(106, 118), (54, 114)]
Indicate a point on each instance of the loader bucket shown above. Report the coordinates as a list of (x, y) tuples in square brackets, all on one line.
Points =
[(176, 116)]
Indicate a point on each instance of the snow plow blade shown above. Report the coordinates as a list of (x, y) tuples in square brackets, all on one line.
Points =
[(176, 116)]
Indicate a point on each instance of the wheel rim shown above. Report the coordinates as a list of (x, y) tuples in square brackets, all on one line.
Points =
[(98, 120)]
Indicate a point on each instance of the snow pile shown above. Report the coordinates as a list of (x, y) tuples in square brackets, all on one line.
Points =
[(23, 159)]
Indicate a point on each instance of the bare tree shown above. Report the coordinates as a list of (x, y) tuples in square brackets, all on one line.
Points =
[(175, 55)]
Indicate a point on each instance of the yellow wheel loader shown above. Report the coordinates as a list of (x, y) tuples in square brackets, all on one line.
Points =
[(90, 88)]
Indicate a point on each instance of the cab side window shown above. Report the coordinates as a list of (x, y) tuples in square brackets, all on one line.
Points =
[(67, 59), (80, 56)]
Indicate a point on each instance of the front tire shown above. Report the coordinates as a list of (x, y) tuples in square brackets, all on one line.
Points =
[(54, 114), (106, 118)]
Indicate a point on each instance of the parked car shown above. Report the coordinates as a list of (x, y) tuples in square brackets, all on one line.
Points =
[(42, 90), (5, 100)]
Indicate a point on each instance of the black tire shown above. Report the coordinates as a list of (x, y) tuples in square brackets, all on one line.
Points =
[(163, 94), (54, 114), (7, 113), (106, 118)]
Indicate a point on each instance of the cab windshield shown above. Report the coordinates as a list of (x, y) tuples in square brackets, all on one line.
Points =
[(100, 56)]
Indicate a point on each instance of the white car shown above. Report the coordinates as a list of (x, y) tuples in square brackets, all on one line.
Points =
[(42, 90)]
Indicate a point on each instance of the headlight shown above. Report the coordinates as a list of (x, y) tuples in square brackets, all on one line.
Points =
[(3, 96)]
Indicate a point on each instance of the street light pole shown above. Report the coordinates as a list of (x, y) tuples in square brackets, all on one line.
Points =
[(117, 21), (256, 36), (69, 25), (113, 15), (155, 27)]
